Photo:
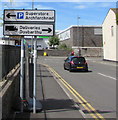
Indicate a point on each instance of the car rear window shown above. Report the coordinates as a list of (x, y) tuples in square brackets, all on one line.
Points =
[(78, 59)]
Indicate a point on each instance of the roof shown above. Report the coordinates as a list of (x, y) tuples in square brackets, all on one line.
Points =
[(96, 26), (115, 10)]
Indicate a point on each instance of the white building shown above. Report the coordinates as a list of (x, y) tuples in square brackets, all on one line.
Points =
[(7, 42), (42, 43), (82, 36), (110, 35)]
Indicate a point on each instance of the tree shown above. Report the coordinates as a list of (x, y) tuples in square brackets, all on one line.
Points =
[(62, 46), (53, 41), (117, 18), (1, 24)]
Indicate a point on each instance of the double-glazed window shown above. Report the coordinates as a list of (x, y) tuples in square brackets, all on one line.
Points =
[(97, 31)]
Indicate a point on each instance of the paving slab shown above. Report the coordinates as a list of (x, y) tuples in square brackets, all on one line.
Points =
[(55, 103)]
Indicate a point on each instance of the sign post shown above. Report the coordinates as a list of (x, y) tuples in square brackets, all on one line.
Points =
[(34, 85), (22, 73), (29, 23)]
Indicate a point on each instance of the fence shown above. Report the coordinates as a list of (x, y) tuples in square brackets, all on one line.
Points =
[(9, 58)]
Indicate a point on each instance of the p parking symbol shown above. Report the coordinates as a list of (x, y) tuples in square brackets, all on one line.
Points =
[(20, 15)]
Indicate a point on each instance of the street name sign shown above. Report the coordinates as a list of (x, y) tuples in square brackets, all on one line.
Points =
[(29, 29), (29, 15)]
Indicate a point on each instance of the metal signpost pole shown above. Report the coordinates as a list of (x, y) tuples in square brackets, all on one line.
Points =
[(22, 73), (34, 84), (32, 36), (18, 22)]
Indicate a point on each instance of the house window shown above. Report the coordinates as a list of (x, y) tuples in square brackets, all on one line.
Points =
[(112, 30), (97, 31)]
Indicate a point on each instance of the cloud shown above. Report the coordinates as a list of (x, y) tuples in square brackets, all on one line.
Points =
[(42, 7), (59, 0), (16, 5), (81, 7), (99, 5), (106, 4), (21, 4), (24, 5)]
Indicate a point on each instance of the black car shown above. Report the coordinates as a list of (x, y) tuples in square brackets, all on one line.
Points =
[(75, 63)]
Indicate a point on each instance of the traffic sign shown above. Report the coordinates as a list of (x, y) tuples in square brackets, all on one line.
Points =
[(29, 29), (29, 15)]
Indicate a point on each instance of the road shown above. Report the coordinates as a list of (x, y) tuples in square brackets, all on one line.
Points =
[(94, 90)]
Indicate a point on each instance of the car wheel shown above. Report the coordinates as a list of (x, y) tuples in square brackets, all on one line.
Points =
[(86, 69), (70, 70), (64, 67)]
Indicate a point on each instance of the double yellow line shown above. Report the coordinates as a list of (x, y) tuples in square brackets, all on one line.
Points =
[(92, 112)]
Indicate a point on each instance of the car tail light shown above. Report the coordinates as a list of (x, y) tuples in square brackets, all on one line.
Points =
[(85, 63), (72, 62)]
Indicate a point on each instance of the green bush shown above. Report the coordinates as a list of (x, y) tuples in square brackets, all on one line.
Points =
[(63, 46), (53, 41)]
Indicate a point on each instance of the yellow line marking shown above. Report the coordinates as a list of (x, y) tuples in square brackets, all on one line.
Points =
[(75, 94), (83, 99), (77, 98)]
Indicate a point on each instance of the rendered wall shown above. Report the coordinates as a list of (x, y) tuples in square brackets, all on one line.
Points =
[(109, 36)]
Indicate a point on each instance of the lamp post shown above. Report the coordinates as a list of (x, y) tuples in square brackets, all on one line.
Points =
[(11, 3), (78, 18), (32, 4), (82, 36)]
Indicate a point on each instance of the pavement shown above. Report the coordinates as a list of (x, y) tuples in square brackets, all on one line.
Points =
[(55, 102)]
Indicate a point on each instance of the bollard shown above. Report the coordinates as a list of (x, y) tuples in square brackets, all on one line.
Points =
[(45, 54)]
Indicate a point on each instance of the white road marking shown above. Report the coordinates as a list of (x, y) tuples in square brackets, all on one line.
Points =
[(104, 62), (107, 76)]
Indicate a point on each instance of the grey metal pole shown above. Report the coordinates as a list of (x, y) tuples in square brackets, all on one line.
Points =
[(32, 4), (26, 71), (32, 36), (22, 73), (34, 85), (78, 18)]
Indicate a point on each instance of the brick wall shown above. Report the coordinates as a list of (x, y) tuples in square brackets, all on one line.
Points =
[(53, 52), (97, 52), (84, 37), (92, 52)]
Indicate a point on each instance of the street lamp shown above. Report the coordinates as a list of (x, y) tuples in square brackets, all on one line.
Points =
[(32, 4), (78, 18), (11, 1)]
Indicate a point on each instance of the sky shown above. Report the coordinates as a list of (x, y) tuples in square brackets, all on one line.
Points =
[(67, 13)]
